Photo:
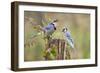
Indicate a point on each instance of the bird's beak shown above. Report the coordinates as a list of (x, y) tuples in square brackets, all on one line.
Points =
[(63, 30)]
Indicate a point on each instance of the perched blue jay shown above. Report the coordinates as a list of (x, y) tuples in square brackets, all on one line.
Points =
[(50, 28), (68, 37)]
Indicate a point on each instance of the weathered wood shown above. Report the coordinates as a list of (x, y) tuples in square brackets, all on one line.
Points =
[(61, 46)]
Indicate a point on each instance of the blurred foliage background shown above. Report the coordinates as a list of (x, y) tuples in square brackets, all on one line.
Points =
[(78, 25)]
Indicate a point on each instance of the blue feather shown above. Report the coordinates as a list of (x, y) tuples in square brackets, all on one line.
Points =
[(69, 39), (49, 29)]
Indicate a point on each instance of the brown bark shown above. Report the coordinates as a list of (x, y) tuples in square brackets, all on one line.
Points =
[(62, 51)]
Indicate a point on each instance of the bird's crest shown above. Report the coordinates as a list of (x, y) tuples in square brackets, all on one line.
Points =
[(64, 29)]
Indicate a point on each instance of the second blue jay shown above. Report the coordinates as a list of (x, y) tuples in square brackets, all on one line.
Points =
[(68, 37)]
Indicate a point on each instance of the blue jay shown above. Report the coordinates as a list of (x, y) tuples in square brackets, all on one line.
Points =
[(50, 28), (68, 37)]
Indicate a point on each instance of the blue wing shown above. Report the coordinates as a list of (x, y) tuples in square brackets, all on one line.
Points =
[(69, 39), (49, 27)]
